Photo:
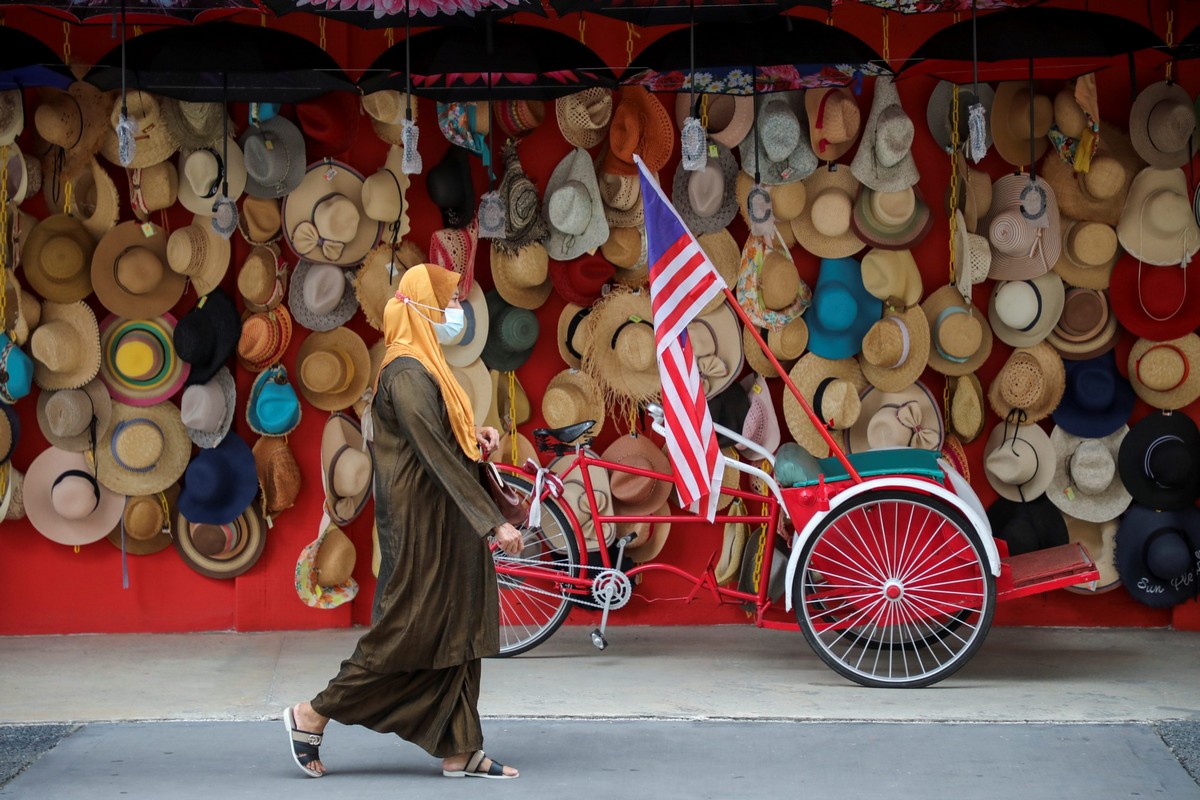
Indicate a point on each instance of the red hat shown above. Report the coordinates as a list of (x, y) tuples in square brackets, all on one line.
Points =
[(330, 124), (1156, 303), (580, 282)]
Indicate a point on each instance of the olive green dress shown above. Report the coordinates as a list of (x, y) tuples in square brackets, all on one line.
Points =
[(416, 672)]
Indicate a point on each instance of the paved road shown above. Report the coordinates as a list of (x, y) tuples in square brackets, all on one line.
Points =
[(688, 760)]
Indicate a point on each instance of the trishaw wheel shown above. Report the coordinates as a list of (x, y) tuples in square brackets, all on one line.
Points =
[(534, 601), (893, 589)]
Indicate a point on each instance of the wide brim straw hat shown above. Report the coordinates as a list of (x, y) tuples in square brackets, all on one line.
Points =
[(138, 361), (1158, 223), (1032, 381), (572, 199), (1089, 253), (57, 258), (64, 410), (147, 523), (200, 254), (476, 382), (1021, 249), (1013, 452), (333, 368), (228, 168), (824, 228), (1086, 483), (265, 338), (1010, 125), (75, 119), (619, 353), (911, 417), (379, 277), (571, 333), (730, 117), (891, 220), (572, 396), (387, 109), (222, 551), (895, 350), (705, 198), (1023, 313), (63, 505), (637, 494), (1087, 326), (468, 345), (1154, 302), (1027, 527), (145, 451), (326, 282), (222, 384), (1166, 374), (65, 346), (957, 330), (814, 376), (1097, 195), (1162, 125), (584, 117), (522, 278), (317, 187), (966, 415), (145, 286), (884, 161), (939, 115), (194, 124), (94, 198)]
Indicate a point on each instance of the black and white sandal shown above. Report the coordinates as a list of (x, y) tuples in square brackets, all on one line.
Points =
[(306, 746), (473, 769)]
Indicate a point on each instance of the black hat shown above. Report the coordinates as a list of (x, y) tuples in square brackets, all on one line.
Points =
[(1159, 461), (1156, 554), (207, 336), (450, 187), (1026, 527)]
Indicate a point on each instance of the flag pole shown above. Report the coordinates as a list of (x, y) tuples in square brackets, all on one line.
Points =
[(834, 447)]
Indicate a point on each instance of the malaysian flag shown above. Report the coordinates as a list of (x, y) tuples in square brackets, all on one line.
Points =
[(682, 281)]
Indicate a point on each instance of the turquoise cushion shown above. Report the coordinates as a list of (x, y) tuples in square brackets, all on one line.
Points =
[(873, 463)]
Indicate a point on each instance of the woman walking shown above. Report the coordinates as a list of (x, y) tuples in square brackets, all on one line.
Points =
[(416, 671)]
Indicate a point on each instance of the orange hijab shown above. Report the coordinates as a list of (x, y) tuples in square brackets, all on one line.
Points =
[(408, 332)]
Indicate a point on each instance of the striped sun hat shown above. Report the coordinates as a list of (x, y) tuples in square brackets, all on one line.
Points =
[(138, 363)]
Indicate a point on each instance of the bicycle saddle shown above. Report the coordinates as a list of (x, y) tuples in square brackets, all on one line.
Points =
[(567, 433)]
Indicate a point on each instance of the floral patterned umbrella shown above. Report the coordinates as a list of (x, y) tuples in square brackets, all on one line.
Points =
[(773, 55), (137, 12), (399, 13), (682, 12)]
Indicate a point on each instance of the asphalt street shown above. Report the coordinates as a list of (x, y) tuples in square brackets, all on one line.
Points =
[(663, 759)]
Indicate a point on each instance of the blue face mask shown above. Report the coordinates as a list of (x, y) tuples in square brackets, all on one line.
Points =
[(452, 328)]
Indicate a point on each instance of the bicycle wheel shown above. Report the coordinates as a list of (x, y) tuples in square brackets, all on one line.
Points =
[(893, 590), (533, 600)]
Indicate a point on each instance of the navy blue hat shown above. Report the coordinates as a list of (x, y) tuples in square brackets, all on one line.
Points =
[(1159, 461), (219, 483), (1097, 400), (1026, 527), (1156, 555), (842, 310)]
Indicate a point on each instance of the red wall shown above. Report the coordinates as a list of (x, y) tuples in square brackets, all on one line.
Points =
[(55, 590)]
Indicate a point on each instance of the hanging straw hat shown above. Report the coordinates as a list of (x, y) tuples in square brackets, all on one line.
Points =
[(260, 223), (778, 149), (203, 174), (69, 418), (57, 257), (1012, 109), (194, 125), (1097, 195), (222, 551), (333, 367), (65, 503), (1018, 461), (1021, 249), (573, 208), (468, 345), (512, 333), (960, 337), (265, 338), (824, 228), (571, 333), (320, 298), (1089, 252), (65, 346), (1166, 374), (146, 522), (522, 278), (323, 217), (94, 198), (1100, 539), (842, 310), (892, 220), (207, 335), (324, 569), (377, 280), (576, 496), (274, 407), (145, 451), (274, 156), (730, 117), (584, 117), (138, 363), (1086, 328), (75, 120), (475, 381), (1032, 380), (1097, 400), (199, 253), (910, 417), (388, 109), (347, 468), (1159, 461), (966, 415), (1085, 483), (619, 349), (637, 494), (832, 389), (705, 198), (895, 349), (1027, 527), (892, 276), (939, 113), (640, 124), (1023, 313), (884, 161), (278, 474), (1158, 225), (156, 141), (130, 273), (1162, 125), (206, 409)]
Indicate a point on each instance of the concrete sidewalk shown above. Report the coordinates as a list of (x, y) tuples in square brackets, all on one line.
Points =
[(683, 673)]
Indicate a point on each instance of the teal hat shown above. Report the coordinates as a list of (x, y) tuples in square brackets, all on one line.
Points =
[(16, 372), (274, 407), (842, 310), (512, 333)]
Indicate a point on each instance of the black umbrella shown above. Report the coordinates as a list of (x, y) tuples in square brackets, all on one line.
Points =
[(223, 61), (492, 62), (772, 55), (138, 12), (420, 13), (26, 61), (956, 6), (1054, 42), (682, 12)]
